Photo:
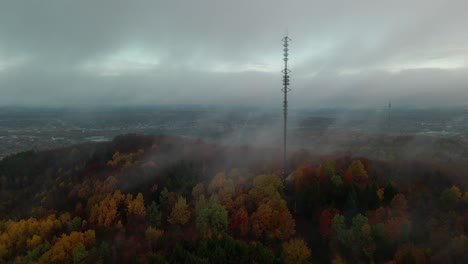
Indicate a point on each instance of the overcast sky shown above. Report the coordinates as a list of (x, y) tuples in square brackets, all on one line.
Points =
[(342, 54)]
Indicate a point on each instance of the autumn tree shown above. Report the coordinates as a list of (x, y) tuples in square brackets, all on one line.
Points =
[(224, 188), (62, 250), (356, 172), (266, 187), (303, 176), (34, 241), (124, 160), (37, 252), (221, 181), (272, 220), (377, 216), (25, 234), (296, 251), (239, 223), (210, 215), (136, 207), (105, 213), (180, 213), (240, 201), (325, 222)]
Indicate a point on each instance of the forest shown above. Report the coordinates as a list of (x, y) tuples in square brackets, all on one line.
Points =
[(163, 199)]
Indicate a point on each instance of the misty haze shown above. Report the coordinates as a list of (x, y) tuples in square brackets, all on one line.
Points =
[(233, 131)]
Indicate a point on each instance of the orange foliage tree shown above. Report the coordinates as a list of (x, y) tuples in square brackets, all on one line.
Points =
[(239, 222), (136, 207), (62, 250), (303, 177), (105, 213), (272, 221)]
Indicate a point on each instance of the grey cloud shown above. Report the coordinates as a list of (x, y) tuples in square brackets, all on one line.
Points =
[(50, 41)]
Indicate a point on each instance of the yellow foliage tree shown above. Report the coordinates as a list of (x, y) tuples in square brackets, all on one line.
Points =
[(358, 172), (267, 187), (124, 160), (296, 251), (136, 206), (94, 190), (180, 214), (34, 241), (61, 251), (19, 236)]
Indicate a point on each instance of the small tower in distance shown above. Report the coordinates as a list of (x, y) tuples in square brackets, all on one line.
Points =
[(388, 114)]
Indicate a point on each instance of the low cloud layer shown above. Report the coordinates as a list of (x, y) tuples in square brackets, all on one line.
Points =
[(343, 53)]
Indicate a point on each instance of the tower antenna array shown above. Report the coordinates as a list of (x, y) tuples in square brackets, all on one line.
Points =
[(285, 91)]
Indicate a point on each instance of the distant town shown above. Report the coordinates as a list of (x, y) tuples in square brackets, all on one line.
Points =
[(379, 133)]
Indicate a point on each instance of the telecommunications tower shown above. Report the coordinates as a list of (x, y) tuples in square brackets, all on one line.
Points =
[(388, 113), (285, 91)]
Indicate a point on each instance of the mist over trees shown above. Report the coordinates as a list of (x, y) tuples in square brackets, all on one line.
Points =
[(157, 199)]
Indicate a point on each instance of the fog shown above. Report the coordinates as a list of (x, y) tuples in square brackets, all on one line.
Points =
[(343, 53)]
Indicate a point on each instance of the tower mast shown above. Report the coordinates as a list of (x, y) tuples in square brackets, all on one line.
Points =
[(285, 91)]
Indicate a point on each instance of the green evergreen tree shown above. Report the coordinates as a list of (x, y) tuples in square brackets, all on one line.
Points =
[(154, 215), (79, 253)]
